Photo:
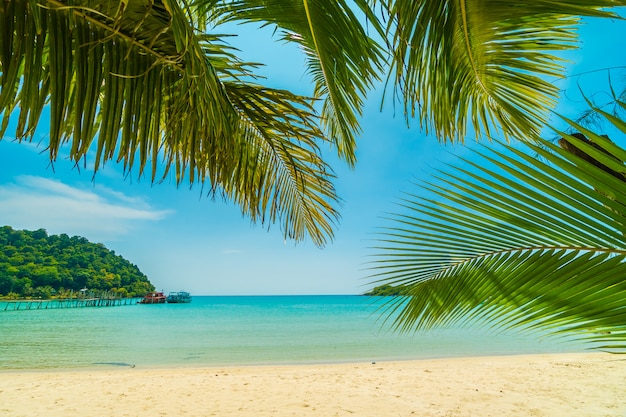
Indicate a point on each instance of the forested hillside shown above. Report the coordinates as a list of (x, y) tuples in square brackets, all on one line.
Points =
[(33, 264)]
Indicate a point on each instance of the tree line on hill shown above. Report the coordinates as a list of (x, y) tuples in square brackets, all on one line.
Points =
[(34, 264)]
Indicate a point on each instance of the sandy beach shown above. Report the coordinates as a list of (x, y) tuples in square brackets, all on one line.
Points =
[(587, 384)]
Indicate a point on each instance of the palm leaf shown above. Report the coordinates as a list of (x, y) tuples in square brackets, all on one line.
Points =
[(483, 64), (516, 241), (287, 178), (343, 61), (136, 82)]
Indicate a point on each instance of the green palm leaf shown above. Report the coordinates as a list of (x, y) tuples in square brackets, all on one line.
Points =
[(342, 59), (137, 82), (514, 240), (484, 64)]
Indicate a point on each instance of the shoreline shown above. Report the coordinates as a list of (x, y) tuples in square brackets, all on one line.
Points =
[(553, 384), (113, 366)]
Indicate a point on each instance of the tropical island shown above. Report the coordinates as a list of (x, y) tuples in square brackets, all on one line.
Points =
[(386, 290), (35, 264)]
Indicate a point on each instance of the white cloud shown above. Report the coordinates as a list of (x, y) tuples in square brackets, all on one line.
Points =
[(98, 213)]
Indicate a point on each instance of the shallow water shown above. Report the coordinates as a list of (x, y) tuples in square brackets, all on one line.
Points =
[(242, 330)]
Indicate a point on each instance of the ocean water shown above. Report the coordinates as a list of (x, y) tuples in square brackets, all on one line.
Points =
[(239, 330)]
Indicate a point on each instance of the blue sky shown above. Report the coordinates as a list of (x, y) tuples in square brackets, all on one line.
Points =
[(183, 240)]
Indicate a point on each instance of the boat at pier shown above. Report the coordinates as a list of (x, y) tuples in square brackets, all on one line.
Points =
[(179, 297), (156, 297)]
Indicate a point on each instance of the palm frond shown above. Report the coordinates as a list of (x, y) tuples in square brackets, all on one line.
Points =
[(483, 64), (136, 82), (343, 60), (513, 240), (121, 71), (278, 168)]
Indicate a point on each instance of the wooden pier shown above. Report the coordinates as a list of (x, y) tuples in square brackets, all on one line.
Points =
[(78, 300)]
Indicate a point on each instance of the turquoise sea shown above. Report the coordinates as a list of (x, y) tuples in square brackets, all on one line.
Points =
[(238, 330)]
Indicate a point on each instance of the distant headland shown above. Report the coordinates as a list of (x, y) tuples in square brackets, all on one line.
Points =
[(386, 290)]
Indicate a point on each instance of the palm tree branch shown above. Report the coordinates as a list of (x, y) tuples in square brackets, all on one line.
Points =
[(514, 241), (342, 59), (290, 177), (510, 291), (80, 11), (482, 64), (136, 83)]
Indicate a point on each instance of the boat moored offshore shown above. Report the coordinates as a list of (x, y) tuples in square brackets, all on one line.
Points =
[(179, 297)]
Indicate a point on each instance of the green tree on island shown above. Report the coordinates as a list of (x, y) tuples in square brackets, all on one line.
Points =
[(153, 85), (33, 264)]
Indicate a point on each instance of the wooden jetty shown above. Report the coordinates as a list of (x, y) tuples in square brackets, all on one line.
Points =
[(76, 300)]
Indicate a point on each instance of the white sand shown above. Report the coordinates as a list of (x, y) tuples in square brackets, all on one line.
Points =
[(589, 384)]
